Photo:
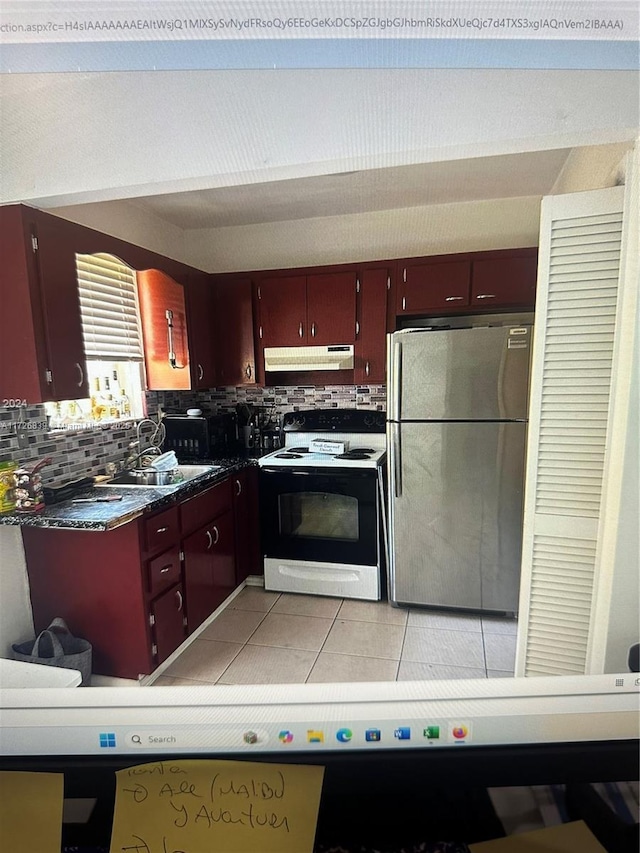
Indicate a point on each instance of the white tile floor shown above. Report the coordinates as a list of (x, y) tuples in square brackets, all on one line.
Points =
[(270, 638)]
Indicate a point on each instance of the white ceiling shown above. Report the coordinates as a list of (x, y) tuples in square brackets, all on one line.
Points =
[(505, 176)]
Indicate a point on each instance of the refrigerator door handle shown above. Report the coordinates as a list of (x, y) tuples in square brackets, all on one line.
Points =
[(396, 455), (396, 381)]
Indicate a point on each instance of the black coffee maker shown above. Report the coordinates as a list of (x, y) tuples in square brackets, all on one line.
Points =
[(205, 436)]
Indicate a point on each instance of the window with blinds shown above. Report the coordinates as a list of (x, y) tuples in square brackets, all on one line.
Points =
[(109, 309)]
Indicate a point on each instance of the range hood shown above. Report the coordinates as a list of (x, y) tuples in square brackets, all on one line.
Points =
[(338, 357)]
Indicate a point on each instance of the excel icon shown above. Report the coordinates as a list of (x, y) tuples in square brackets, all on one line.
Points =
[(432, 732)]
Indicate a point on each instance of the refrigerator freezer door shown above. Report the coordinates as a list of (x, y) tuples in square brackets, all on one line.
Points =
[(460, 374), (456, 492)]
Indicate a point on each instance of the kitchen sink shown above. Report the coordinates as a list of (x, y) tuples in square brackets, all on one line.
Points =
[(148, 479)]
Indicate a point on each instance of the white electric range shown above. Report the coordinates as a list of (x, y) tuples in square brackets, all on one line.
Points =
[(322, 513)]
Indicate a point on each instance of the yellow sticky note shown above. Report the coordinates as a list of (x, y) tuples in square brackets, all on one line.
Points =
[(565, 838), (194, 806), (31, 811)]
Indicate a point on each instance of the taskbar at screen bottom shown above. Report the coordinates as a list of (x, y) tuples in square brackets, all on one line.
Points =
[(320, 737)]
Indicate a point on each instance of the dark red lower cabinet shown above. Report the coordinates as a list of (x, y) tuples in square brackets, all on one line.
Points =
[(209, 568), (247, 523), (169, 622)]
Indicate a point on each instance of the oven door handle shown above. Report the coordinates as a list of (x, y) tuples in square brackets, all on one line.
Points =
[(286, 471)]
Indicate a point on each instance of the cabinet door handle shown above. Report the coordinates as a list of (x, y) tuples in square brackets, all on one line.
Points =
[(367, 369), (162, 530), (180, 601), (200, 371), (238, 487), (81, 372), (301, 330), (260, 332), (486, 296), (313, 330), (210, 539), (166, 569), (173, 361), (453, 298), (357, 328), (172, 356), (248, 371), (404, 303)]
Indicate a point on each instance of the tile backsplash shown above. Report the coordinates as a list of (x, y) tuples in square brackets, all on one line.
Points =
[(277, 399), (86, 451)]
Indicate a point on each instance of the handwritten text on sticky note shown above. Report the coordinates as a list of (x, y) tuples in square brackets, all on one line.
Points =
[(31, 811), (196, 806)]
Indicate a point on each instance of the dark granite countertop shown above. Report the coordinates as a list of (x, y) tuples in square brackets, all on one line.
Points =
[(135, 501)]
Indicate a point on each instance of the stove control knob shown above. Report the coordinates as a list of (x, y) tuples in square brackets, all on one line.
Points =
[(369, 420)]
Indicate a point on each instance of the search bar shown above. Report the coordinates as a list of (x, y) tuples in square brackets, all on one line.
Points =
[(200, 739)]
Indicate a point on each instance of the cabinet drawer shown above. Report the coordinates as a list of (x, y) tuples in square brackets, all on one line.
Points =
[(164, 570), (200, 509), (161, 530)]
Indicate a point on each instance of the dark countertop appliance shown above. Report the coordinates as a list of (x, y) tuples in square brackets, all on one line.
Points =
[(205, 436)]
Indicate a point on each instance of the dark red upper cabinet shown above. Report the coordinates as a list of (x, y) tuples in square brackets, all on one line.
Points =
[(201, 307), (283, 311), (506, 281), (428, 287), (42, 338), (163, 315), (331, 308), (370, 349), (63, 327), (235, 351)]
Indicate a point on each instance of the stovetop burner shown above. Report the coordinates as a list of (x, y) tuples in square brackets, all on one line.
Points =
[(361, 434)]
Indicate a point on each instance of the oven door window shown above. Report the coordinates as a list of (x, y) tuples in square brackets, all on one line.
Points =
[(324, 517), (319, 515)]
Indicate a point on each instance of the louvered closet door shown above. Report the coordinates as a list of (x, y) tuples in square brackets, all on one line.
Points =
[(579, 266)]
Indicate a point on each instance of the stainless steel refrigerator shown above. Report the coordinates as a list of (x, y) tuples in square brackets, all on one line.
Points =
[(457, 422)]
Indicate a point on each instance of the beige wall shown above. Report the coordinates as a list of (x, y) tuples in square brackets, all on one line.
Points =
[(161, 132), (410, 232), (592, 168), (407, 232), (124, 220)]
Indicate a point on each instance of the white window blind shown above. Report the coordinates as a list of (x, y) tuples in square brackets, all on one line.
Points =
[(109, 308)]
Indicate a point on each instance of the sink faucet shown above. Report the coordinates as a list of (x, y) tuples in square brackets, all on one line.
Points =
[(144, 457)]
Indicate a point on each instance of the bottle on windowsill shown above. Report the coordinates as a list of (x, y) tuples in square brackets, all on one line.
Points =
[(112, 411), (124, 405), (97, 402)]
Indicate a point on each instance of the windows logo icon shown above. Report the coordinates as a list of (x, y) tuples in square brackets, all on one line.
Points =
[(107, 740)]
